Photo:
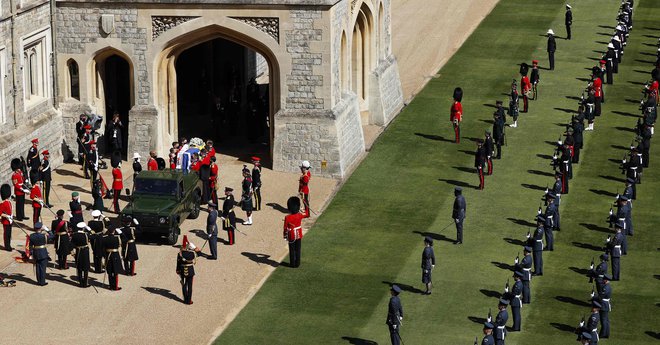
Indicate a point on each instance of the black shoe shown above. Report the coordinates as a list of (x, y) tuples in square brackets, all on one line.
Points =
[(44, 284), (458, 242)]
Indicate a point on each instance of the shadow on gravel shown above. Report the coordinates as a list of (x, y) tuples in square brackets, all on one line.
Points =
[(277, 207), (163, 292), (261, 259)]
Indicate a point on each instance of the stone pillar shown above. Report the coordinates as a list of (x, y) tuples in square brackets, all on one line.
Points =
[(71, 111), (142, 130), (385, 92)]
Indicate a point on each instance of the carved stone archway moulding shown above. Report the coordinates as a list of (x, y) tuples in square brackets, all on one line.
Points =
[(160, 24), (268, 25)]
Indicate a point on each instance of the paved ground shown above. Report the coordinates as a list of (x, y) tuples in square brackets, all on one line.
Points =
[(145, 309), (444, 26)]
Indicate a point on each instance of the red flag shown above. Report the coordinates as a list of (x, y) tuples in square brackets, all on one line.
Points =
[(27, 248)]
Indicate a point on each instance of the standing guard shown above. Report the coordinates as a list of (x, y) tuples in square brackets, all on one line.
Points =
[(514, 100), (500, 322), (552, 47), (62, 241), (80, 133), (456, 113), (479, 161), (394, 315), (212, 230), (303, 185), (592, 323), (604, 296), (112, 246), (137, 166), (498, 128), (535, 78), (117, 185), (458, 213), (185, 268), (293, 232), (568, 21), (256, 182), (488, 334), (228, 217), (614, 247), (80, 241), (536, 242), (37, 202), (428, 264), (33, 161), (97, 225), (578, 139), (489, 149), (38, 241), (246, 195), (45, 173), (18, 180), (596, 274), (526, 265), (516, 300), (213, 180), (525, 86), (76, 209), (129, 249), (6, 215)]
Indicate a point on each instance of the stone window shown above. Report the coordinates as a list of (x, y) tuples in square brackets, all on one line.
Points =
[(3, 78), (36, 67), (74, 79)]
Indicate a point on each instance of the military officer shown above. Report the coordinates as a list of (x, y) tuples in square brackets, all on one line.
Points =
[(622, 216), (513, 103), (645, 145), (535, 78), (228, 217), (488, 148), (458, 213), (303, 185), (97, 195), (293, 231), (45, 174), (62, 241), (526, 266), (500, 321), (112, 246), (97, 231), (516, 300), (394, 315), (633, 165), (80, 241), (552, 47), (456, 113), (536, 242), (479, 161), (609, 58), (212, 230), (428, 264), (550, 224), (137, 166), (246, 195), (37, 201), (213, 181), (597, 85), (604, 296), (93, 161), (185, 268), (498, 128), (568, 21), (117, 185), (38, 241), (630, 190), (488, 334), (592, 323), (597, 273), (256, 182), (33, 161), (6, 215), (18, 180), (76, 209), (525, 86), (614, 246), (129, 249), (80, 131)]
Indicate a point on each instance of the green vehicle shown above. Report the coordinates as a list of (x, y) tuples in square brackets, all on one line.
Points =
[(162, 200)]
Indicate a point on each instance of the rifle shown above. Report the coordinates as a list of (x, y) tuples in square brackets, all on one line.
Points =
[(540, 209), (476, 340), (517, 260), (591, 272), (490, 316), (506, 287), (610, 218)]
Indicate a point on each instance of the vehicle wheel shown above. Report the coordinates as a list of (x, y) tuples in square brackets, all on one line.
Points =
[(173, 237), (195, 210)]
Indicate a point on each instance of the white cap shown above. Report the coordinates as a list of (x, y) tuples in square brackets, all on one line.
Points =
[(191, 246), (618, 27), (81, 225), (610, 46), (136, 155), (305, 164), (568, 6), (96, 213), (550, 32), (616, 38)]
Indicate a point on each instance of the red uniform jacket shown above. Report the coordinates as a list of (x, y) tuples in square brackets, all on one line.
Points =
[(117, 179), (195, 166), (456, 112), (211, 152), (17, 180), (598, 88), (525, 84), (213, 178), (152, 164), (293, 227), (5, 208), (303, 184), (35, 193)]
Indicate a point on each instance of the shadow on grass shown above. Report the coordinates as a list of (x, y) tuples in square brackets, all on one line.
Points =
[(490, 293), (656, 276), (588, 246), (612, 178), (570, 111), (465, 169), (163, 292), (533, 186), (562, 327), (574, 98), (359, 341), (652, 334), (541, 173), (458, 183), (617, 161), (502, 265), (277, 207), (573, 301), (490, 105), (522, 222), (622, 113), (261, 259), (606, 27), (434, 137), (639, 70), (594, 227), (625, 129), (487, 121), (630, 100), (434, 236), (514, 241), (604, 192), (619, 147), (636, 82), (580, 271), (540, 155), (647, 54), (405, 287), (472, 139), (585, 79), (477, 320), (645, 61), (601, 42)]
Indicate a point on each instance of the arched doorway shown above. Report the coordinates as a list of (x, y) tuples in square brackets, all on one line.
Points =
[(113, 94), (223, 94)]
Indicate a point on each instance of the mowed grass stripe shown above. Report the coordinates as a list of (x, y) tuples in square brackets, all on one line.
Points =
[(366, 235)]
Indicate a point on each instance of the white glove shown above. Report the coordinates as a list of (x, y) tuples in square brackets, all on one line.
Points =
[(88, 228), (457, 220), (135, 221), (118, 231), (45, 228), (222, 218), (432, 266), (70, 215)]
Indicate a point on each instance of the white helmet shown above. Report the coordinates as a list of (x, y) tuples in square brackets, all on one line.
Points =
[(550, 32), (305, 164), (136, 155)]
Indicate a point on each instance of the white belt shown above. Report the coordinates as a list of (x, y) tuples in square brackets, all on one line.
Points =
[(527, 269), (550, 217), (617, 246), (539, 240), (594, 330), (501, 327), (633, 168), (606, 299), (518, 296)]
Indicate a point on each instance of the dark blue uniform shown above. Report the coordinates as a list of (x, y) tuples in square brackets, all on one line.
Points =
[(458, 214), (428, 261), (212, 232), (549, 226), (80, 241), (112, 245), (129, 249), (526, 265), (40, 254), (537, 250), (394, 316), (500, 324), (62, 242), (256, 187), (592, 327), (604, 295), (185, 268), (229, 223), (615, 253), (516, 304)]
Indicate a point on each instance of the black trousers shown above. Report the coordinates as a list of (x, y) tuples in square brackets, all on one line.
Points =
[(129, 267), (47, 192), (394, 335), (516, 318), (568, 32), (459, 230), (82, 276), (113, 280), (294, 253), (116, 193), (206, 191), (257, 198), (7, 236), (20, 207), (36, 214), (187, 289), (98, 263), (551, 60), (576, 154), (616, 268), (597, 110), (213, 244), (499, 151)]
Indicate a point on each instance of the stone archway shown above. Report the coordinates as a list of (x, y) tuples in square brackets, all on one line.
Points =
[(362, 58), (168, 97)]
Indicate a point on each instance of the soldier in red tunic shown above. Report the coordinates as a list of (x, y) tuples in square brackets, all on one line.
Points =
[(37, 202), (293, 230), (18, 179), (6, 215), (456, 113), (597, 85), (117, 185), (525, 86), (303, 185), (151, 163), (213, 180)]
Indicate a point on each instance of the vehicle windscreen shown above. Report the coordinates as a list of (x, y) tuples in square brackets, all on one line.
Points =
[(155, 187)]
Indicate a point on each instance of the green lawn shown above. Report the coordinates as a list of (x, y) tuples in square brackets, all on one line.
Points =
[(371, 234)]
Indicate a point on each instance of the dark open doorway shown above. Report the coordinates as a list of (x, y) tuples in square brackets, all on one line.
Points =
[(117, 94), (223, 94)]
